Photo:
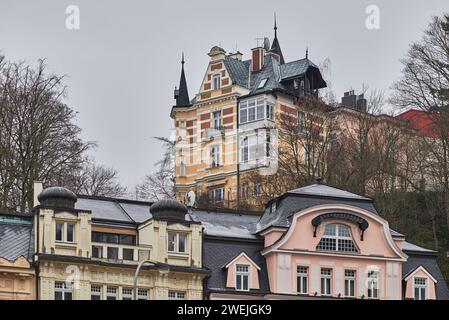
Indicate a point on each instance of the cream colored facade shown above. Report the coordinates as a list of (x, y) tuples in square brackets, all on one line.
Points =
[(71, 262), (17, 280)]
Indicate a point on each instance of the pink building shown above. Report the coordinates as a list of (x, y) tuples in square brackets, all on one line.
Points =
[(315, 242)]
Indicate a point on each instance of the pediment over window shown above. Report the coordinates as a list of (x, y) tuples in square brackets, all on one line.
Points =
[(242, 273)]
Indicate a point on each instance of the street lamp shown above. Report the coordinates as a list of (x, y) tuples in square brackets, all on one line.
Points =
[(137, 274)]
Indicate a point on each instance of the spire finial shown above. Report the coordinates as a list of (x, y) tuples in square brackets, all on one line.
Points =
[(183, 61), (307, 52), (275, 25)]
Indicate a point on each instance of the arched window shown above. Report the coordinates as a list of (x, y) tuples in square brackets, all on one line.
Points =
[(336, 238)]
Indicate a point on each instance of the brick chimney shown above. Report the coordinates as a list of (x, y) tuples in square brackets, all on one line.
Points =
[(258, 58)]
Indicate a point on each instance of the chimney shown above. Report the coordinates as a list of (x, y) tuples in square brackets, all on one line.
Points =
[(258, 58), (37, 189), (237, 56), (353, 101)]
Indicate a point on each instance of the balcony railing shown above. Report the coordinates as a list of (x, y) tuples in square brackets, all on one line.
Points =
[(120, 253)]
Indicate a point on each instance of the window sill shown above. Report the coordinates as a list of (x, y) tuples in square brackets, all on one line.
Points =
[(178, 255), (65, 244)]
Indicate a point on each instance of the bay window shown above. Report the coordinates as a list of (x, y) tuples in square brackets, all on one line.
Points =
[(252, 147), (255, 109)]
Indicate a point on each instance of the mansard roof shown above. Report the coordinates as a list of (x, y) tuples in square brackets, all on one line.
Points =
[(16, 236)]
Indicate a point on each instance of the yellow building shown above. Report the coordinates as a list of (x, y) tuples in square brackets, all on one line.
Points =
[(90, 248), (17, 276), (230, 127)]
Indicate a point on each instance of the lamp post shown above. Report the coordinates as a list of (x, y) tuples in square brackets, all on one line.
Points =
[(137, 274)]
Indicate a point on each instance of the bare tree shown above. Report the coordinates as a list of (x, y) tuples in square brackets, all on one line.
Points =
[(425, 85), (38, 138), (160, 184), (94, 180)]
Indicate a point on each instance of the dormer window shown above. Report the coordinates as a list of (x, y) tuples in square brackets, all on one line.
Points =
[(262, 83), (242, 277), (336, 237), (217, 81), (296, 83), (273, 207), (65, 232), (420, 288)]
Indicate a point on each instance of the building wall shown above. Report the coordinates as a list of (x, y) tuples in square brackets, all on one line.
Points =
[(17, 280)]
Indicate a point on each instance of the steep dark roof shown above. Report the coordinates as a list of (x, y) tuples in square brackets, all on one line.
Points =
[(16, 237), (238, 70), (275, 46), (429, 262), (302, 198), (183, 94), (219, 252)]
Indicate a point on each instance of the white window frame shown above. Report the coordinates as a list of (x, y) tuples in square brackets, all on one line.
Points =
[(252, 148), (98, 292), (216, 81), (111, 292), (420, 287), (127, 293), (177, 237), (350, 280), (245, 190), (257, 189), (337, 237), (242, 274), (326, 290), (176, 295), (216, 120), (63, 287), (142, 294), (373, 285), (302, 274), (215, 156), (64, 230), (213, 195), (254, 106)]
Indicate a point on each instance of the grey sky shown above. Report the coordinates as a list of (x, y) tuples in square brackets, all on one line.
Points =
[(124, 62)]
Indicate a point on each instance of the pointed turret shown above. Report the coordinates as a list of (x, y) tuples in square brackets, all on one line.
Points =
[(275, 47), (181, 93)]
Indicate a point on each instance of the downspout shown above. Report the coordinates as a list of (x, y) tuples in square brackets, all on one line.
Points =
[(238, 155)]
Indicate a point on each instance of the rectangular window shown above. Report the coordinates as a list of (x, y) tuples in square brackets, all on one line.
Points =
[(252, 147), (97, 252), (257, 189), (302, 274), (111, 293), (301, 122), (127, 293), (113, 238), (142, 294), (63, 290), (65, 232), (350, 283), (217, 81), (245, 190), (216, 195), (112, 253), (59, 227), (326, 282), (255, 109), (176, 295), (217, 120), (177, 242), (420, 286), (242, 277), (373, 289), (215, 156), (95, 292), (128, 254)]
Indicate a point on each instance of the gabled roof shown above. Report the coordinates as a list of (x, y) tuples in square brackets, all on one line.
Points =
[(242, 254), (238, 70), (16, 237), (295, 68), (420, 268)]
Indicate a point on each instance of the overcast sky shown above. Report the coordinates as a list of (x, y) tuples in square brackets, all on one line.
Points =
[(124, 61)]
